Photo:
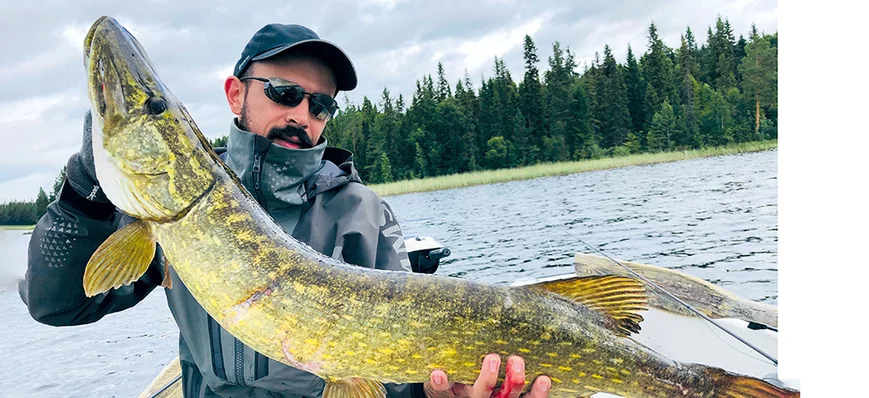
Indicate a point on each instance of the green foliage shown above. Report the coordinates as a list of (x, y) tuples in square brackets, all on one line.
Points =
[(384, 169), (19, 213), (218, 142), (669, 98), (497, 151), (41, 202), (621, 150), (760, 76), (662, 129), (614, 119), (636, 92), (632, 143), (58, 184)]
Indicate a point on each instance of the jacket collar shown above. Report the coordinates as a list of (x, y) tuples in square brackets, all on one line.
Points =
[(274, 174)]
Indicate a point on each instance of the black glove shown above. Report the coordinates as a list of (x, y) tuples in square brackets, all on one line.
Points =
[(80, 171)]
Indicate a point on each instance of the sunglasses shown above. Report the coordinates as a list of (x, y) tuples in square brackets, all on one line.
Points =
[(283, 92)]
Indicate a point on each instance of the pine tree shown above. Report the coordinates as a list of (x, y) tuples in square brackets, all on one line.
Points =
[(658, 69), (714, 116), (636, 91), (579, 132), (708, 60), (692, 53), (760, 76), (559, 79), (385, 169), (531, 96), (724, 68), (372, 141), (58, 184), (688, 134), (663, 126), (41, 203), (443, 91), (510, 116), (615, 120)]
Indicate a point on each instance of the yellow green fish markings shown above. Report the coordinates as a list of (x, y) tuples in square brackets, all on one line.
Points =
[(355, 327)]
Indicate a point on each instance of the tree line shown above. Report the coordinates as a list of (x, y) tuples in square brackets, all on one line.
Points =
[(687, 97), (722, 92)]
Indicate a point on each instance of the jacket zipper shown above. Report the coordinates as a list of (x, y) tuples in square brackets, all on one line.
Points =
[(239, 347), (257, 175), (239, 363)]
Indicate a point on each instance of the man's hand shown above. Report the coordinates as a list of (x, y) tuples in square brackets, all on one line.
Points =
[(439, 386)]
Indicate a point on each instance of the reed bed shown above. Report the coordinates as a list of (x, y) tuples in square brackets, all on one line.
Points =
[(562, 168)]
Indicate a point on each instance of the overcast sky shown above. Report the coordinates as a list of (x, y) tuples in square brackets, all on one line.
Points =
[(393, 43)]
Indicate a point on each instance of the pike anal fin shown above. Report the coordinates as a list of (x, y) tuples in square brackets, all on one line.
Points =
[(167, 279), (354, 388)]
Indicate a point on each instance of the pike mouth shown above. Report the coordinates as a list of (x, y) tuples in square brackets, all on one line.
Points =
[(90, 35), (155, 174)]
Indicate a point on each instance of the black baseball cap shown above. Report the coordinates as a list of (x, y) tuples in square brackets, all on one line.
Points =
[(274, 39)]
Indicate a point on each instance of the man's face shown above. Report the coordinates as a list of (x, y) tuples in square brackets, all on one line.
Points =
[(291, 127)]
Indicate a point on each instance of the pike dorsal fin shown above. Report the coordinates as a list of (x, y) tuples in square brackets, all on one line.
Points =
[(619, 298)]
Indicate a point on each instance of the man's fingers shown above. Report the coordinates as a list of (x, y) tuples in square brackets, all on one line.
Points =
[(514, 381), (540, 388), (488, 378), (438, 380)]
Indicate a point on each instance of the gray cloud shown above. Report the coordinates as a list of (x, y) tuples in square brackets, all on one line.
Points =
[(393, 43)]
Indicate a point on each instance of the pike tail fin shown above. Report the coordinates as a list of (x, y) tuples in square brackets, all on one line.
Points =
[(731, 385)]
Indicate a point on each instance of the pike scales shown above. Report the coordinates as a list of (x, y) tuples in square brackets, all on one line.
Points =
[(354, 327)]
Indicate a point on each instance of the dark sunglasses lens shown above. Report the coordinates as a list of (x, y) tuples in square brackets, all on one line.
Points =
[(290, 95), (323, 106), (319, 111)]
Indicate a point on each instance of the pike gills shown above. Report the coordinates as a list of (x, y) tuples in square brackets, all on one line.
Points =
[(354, 327)]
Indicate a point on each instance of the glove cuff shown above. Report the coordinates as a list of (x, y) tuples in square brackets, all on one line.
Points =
[(82, 183)]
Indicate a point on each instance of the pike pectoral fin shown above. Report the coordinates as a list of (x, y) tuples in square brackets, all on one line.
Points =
[(354, 388), (620, 298), (122, 259)]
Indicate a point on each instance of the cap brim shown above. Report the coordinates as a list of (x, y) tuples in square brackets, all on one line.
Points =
[(332, 55)]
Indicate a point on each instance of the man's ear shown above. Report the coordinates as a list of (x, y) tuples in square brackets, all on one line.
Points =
[(235, 91)]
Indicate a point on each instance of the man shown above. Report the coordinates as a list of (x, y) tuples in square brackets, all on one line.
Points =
[(282, 92)]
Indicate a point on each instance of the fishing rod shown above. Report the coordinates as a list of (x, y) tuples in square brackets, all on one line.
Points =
[(678, 300), (165, 387)]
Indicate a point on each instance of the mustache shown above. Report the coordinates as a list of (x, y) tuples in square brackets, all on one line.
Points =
[(287, 132)]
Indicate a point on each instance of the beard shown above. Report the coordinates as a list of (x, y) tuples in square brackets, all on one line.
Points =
[(285, 133)]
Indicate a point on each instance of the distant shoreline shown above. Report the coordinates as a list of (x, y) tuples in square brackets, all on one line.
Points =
[(540, 170), (562, 168)]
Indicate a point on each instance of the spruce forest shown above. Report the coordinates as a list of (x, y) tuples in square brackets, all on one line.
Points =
[(669, 98)]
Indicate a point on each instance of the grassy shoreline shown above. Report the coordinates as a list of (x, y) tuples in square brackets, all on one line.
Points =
[(17, 227), (563, 168)]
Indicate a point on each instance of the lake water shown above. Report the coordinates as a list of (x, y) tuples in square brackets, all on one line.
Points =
[(714, 218)]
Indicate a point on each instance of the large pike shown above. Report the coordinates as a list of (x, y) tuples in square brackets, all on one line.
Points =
[(355, 327)]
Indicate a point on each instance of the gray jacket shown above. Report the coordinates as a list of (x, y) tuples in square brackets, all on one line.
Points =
[(315, 193)]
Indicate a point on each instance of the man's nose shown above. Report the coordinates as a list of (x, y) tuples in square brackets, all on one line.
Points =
[(299, 115)]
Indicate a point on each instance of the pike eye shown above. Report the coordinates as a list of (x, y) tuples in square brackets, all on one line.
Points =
[(155, 106)]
